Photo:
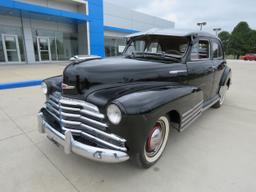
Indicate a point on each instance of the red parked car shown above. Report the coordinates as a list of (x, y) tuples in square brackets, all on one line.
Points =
[(249, 57)]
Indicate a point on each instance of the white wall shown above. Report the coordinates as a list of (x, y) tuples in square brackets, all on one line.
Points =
[(51, 25), (66, 5), (123, 17), (12, 21)]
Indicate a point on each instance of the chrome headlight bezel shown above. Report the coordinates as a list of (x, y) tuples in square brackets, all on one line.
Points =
[(44, 88), (114, 114)]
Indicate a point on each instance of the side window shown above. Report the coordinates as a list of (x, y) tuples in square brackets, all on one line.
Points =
[(217, 50), (200, 50)]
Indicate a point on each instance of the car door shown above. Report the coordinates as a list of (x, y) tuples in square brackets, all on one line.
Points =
[(200, 67), (219, 65)]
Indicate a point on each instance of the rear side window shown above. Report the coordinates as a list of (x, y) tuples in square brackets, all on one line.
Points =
[(200, 50), (217, 50)]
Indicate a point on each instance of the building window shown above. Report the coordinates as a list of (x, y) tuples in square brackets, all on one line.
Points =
[(11, 45), (114, 46), (54, 45)]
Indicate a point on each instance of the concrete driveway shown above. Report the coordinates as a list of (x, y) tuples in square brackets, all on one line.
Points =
[(217, 153)]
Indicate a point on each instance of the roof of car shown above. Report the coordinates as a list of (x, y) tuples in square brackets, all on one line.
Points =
[(172, 32)]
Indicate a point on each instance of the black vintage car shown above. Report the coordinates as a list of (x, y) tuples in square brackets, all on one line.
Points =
[(121, 108)]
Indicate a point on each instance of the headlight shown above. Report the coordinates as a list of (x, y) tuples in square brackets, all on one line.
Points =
[(114, 114), (44, 88)]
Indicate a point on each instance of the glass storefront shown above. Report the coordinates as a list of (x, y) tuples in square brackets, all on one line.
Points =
[(49, 45), (54, 45), (11, 45), (114, 46)]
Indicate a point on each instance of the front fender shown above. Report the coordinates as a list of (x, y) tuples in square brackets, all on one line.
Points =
[(161, 100), (54, 83), (143, 108)]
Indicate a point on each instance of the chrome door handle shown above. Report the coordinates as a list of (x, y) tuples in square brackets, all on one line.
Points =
[(177, 71)]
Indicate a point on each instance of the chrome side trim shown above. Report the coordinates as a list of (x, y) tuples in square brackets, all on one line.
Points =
[(199, 108), (190, 122), (178, 71), (193, 108), (195, 115), (191, 115), (87, 151)]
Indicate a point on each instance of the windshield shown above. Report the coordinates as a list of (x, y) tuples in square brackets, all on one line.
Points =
[(157, 45)]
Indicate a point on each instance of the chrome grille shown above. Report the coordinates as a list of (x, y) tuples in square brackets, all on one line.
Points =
[(83, 119)]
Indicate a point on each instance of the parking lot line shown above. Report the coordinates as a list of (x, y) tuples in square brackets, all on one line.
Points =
[(20, 84)]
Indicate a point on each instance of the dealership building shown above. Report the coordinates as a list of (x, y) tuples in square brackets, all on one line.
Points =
[(39, 31)]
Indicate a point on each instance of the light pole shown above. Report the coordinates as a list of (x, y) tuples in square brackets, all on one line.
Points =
[(216, 30), (201, 24)]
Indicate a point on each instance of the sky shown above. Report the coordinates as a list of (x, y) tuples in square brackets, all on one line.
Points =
[(223, 14)]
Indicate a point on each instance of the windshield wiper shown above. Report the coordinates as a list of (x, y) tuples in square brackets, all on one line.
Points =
[(161, 55)]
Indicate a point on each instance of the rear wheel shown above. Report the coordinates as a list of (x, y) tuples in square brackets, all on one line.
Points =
[(155, 143), (222, 94)]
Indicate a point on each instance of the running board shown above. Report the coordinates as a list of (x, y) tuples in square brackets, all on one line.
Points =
[(210, 103)]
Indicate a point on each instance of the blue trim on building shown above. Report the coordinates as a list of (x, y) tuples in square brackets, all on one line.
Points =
[(121, 30), (95, 19), (20, 84), (43, 10), (96, 27)]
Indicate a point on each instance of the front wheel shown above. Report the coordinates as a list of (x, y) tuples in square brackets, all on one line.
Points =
[(155, 143)]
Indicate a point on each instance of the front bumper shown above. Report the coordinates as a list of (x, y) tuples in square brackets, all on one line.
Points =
[(71, 145)]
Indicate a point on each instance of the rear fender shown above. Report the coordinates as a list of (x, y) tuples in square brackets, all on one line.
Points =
[(227, 74)]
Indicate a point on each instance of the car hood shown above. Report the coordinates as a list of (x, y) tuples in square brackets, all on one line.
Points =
[(114, 70)]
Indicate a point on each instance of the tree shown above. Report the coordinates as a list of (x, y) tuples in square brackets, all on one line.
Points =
[(240, 39), (225, 38), (252, 43)]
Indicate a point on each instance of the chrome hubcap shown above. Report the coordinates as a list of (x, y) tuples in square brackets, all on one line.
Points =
[(155, 139), (222, 92)]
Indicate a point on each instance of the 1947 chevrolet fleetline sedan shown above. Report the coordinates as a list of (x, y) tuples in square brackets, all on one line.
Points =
[(121, 108)]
